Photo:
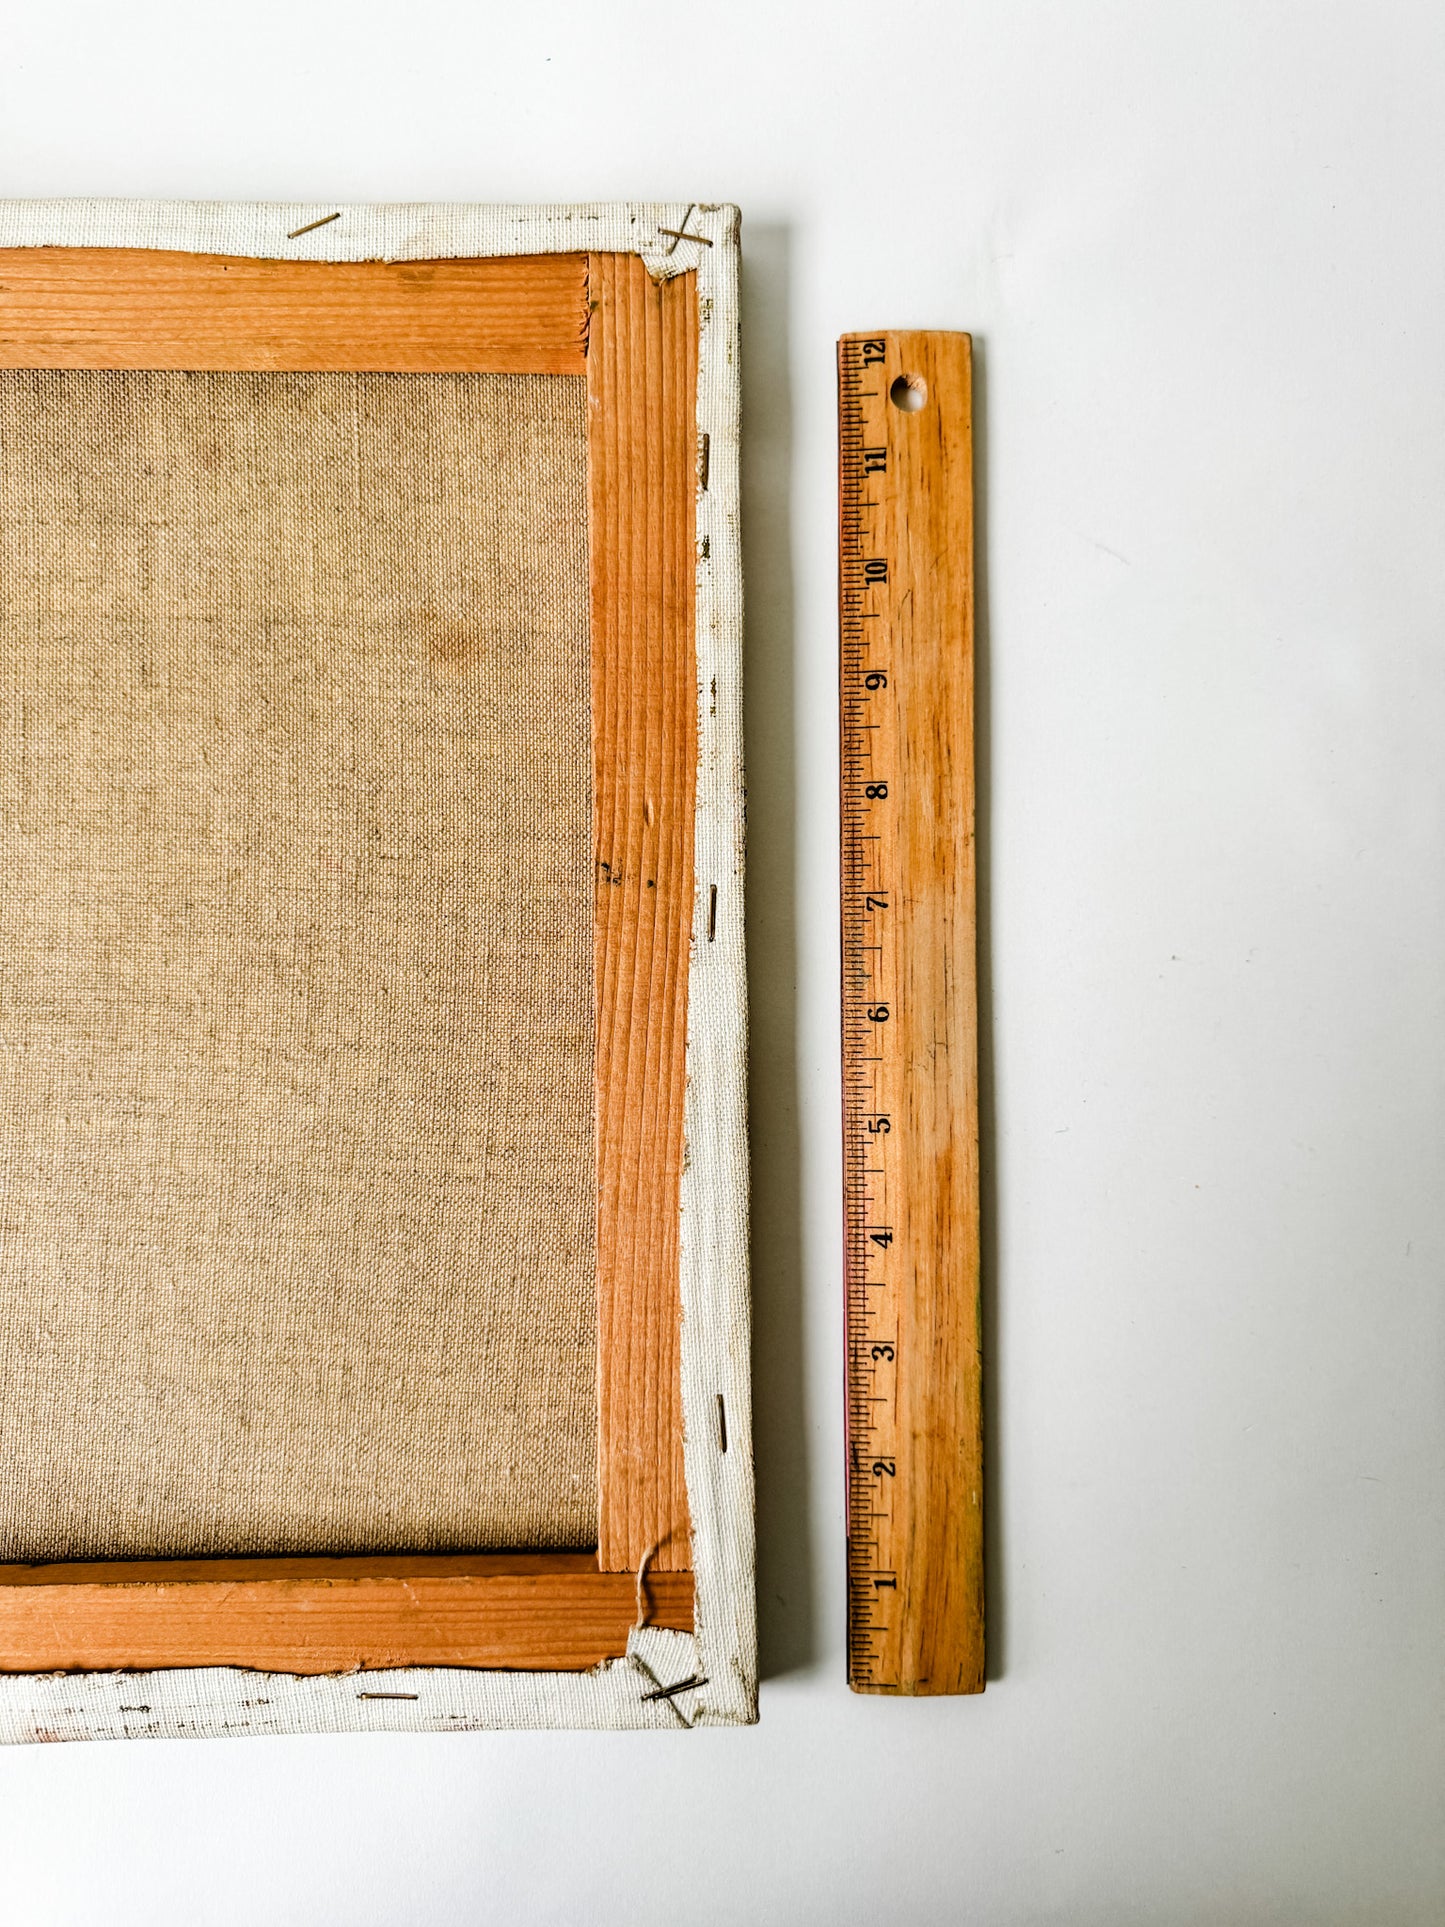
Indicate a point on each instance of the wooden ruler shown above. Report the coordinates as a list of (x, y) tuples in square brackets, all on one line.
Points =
[(910, 1014)]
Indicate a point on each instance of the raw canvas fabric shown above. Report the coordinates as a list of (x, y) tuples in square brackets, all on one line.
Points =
[(296, 1132)]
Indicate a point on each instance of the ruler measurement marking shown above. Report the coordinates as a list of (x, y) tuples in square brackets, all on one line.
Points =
[(909, 1064)]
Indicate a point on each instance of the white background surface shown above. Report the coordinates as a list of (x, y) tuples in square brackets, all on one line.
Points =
[(1200, 248)]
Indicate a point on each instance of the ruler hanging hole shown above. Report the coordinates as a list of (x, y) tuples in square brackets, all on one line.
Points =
[(909, 393)]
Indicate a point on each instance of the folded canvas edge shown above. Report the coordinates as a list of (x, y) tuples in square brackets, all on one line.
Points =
[(721, 1653)]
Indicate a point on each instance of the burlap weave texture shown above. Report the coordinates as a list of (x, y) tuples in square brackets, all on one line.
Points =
[(296, 1158)]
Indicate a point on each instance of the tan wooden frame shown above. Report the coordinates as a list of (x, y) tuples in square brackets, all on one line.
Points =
[(603, 318)]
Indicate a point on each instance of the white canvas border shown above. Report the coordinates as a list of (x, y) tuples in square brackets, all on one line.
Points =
[(722, 1651)]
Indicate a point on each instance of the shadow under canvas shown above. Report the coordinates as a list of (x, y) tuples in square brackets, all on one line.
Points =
[(787, 1634)]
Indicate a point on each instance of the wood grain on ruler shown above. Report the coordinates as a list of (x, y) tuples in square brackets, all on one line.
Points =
[(517, 1610), (916, 515), (642, 480), (159, 308)]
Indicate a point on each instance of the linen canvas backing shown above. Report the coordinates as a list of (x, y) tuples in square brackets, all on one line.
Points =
[(296, 1125)]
